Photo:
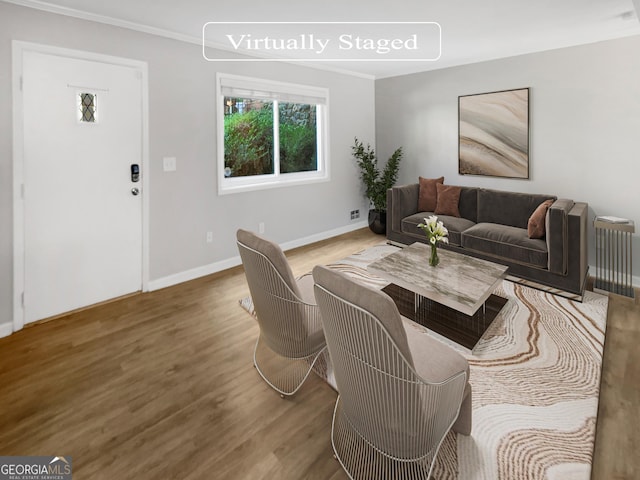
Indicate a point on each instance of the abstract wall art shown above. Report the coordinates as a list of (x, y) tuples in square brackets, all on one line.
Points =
[(493, 134)]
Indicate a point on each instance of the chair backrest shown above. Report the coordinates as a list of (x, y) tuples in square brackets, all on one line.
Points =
[(383, 397), (283, 317)]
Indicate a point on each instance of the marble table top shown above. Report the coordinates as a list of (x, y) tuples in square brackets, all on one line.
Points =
[(459, 281)]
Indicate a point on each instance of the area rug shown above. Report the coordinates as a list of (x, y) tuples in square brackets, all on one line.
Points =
[(535, 375)]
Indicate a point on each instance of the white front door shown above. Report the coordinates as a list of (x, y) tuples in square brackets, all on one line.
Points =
[(82, 221)]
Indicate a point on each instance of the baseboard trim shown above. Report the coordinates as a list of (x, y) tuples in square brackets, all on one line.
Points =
[(301, 242), (215, 267), (6, 329), (193, 273)]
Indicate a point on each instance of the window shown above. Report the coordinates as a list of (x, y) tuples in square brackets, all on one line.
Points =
[(269, 134), (87, 107)]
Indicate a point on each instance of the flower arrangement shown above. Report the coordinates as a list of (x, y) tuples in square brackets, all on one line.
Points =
[(436, 232)]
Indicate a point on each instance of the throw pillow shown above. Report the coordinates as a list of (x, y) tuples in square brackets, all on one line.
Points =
[(428, 193), (448, 200), (536, 224)]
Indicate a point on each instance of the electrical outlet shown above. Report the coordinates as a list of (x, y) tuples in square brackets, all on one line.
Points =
[(261, 227), (355, 214), (209, 237)]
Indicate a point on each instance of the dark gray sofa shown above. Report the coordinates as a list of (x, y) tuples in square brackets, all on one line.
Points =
[(493, 226)]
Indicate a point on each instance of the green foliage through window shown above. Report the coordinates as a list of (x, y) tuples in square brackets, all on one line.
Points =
[(249, 137), (298, 152)]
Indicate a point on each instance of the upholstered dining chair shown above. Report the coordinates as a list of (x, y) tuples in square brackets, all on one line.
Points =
[(291, 337), (400, 391)]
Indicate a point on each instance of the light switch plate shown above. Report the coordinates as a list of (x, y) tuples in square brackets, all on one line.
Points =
[(169, 164)]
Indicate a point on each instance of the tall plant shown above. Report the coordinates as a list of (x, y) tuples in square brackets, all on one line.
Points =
[(376, 182)]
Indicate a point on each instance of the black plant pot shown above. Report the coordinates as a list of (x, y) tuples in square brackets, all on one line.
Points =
[(378, 221)]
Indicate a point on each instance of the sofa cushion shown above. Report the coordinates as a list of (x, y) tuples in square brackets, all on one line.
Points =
[(468, 204), (506, 241), (428, 193), (401, 201), (455, 225), (448, 199), (537, 220), (507, 208)]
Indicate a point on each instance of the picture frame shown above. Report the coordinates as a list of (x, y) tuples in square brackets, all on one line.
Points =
[(493, 134)]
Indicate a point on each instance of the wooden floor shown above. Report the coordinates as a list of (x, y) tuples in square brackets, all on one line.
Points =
[(161, 386)]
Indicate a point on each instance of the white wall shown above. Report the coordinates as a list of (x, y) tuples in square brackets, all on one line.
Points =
[(184, 205), (584, 125)]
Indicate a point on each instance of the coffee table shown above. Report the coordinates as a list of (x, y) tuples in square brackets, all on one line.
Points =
[(454, 299)]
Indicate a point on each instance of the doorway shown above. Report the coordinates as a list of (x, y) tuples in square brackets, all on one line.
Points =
[(80, 178)]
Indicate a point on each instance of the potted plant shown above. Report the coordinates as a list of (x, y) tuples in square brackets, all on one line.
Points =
[(376, 182)]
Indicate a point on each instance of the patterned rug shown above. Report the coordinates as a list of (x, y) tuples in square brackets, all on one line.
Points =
[(535, 376)]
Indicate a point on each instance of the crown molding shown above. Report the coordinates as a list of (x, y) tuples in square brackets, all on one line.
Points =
[(636, 5), (94, 17), (160, 32)]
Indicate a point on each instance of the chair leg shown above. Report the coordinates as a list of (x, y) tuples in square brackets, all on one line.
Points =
[(284, 375)]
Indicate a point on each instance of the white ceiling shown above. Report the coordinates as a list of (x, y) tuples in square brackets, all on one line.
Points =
[(472, 30)]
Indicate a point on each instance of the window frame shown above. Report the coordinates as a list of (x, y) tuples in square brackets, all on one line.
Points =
[(279, 92)]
